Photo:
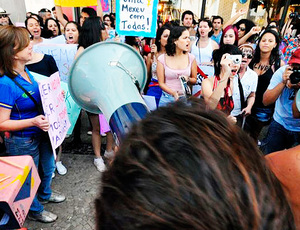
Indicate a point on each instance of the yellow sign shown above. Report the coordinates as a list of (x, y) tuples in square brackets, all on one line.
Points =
[(75, 3)]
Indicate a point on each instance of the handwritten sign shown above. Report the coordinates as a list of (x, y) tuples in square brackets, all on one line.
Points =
[(54, 108), (72, 108), (75, 3), (136, 17), (63, 55)]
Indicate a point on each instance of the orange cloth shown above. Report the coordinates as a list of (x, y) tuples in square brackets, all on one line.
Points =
[(75, 3), (286, 166)]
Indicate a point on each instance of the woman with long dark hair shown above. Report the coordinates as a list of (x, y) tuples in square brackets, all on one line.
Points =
[(177, 62), (157, 49), (265, 62), (204, 46), (247, 31), (91, 33)]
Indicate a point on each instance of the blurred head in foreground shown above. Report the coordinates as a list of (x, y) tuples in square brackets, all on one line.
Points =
[(186, 167)]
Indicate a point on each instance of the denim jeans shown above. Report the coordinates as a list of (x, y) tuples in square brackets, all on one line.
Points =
[(39, 148), (279, 138)]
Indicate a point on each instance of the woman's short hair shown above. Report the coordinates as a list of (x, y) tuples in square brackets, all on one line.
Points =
[(217, 55), (209, 25), (175, 33), (187, 167), (12, 40), (159, 33), (236, 34)]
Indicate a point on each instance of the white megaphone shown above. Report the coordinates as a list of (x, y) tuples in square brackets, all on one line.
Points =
[(107, 78)]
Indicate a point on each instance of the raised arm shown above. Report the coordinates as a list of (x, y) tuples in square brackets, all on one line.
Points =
[(99, 9), (254, 30), (235, 17), (59, 15)]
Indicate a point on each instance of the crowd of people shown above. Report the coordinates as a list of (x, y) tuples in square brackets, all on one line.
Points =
[(245, 76)]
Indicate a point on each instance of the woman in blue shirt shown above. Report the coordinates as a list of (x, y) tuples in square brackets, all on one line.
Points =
[(21, 118)]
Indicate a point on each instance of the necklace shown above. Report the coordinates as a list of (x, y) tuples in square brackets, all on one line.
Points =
[(261, 67)]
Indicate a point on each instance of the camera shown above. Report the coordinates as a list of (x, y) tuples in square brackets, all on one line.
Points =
[(294, 15), (236, 59), (295, 76)]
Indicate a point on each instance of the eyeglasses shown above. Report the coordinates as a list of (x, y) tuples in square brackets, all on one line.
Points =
[(3, 15), (249, 56), (242, 28)]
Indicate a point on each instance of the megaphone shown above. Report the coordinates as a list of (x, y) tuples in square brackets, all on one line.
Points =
[(107, 78)]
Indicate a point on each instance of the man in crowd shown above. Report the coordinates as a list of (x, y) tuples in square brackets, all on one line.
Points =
[(187, 19), (217, 22), (4, 18), (45, 14), (284, 130)]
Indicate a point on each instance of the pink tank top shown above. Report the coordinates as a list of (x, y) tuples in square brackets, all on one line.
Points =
[(172, 75)]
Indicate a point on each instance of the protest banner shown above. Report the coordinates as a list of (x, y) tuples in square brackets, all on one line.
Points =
[(63, 55), (73, 109), (75, 3), (55, 109), (136, 17)]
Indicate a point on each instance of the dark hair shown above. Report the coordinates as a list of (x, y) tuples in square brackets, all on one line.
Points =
[(217, 17), (175, 33), (186, 167), (274, 57), (217, 55), (131, 40), (90, 32), (236, 40), (76, 24), (187, 12), (12, 40), (39, 20), (111, 20), (248, 26), (159, 33), (209, 25), (44, 10), (90, 11), (57, 23)]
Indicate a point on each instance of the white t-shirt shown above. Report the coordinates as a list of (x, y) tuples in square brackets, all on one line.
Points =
[(249, 83)]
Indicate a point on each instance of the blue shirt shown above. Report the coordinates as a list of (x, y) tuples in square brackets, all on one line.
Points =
[(283, 113), (22, 107), (217, 38)]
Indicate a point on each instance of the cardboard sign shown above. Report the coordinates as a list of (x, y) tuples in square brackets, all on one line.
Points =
[(72, 108), (54, 108), (136, 17), (63, 55), (75, 3), (19, 182)]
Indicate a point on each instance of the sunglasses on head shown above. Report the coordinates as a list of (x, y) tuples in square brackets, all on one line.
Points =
[(242, 28), (3, 15), (247, 55)]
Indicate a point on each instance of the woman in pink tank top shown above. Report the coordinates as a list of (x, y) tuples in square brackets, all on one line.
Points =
[(175, 63)]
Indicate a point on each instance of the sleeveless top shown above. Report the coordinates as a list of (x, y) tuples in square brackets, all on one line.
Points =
[(204, 55), (172, 75), (226, 102), (262, 85)]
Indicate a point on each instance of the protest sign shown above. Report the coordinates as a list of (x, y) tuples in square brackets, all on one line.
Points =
[(55, 109), (72, 108), (75, 3), (63, 55), (136, 17)]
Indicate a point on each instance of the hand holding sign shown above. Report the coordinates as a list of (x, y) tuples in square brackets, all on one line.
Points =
[(41, 122)]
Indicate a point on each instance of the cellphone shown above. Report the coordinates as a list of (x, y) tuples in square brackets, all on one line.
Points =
[(185, 86), (236, 58)]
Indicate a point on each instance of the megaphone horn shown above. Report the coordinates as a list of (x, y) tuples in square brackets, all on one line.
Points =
[(107, 78)]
